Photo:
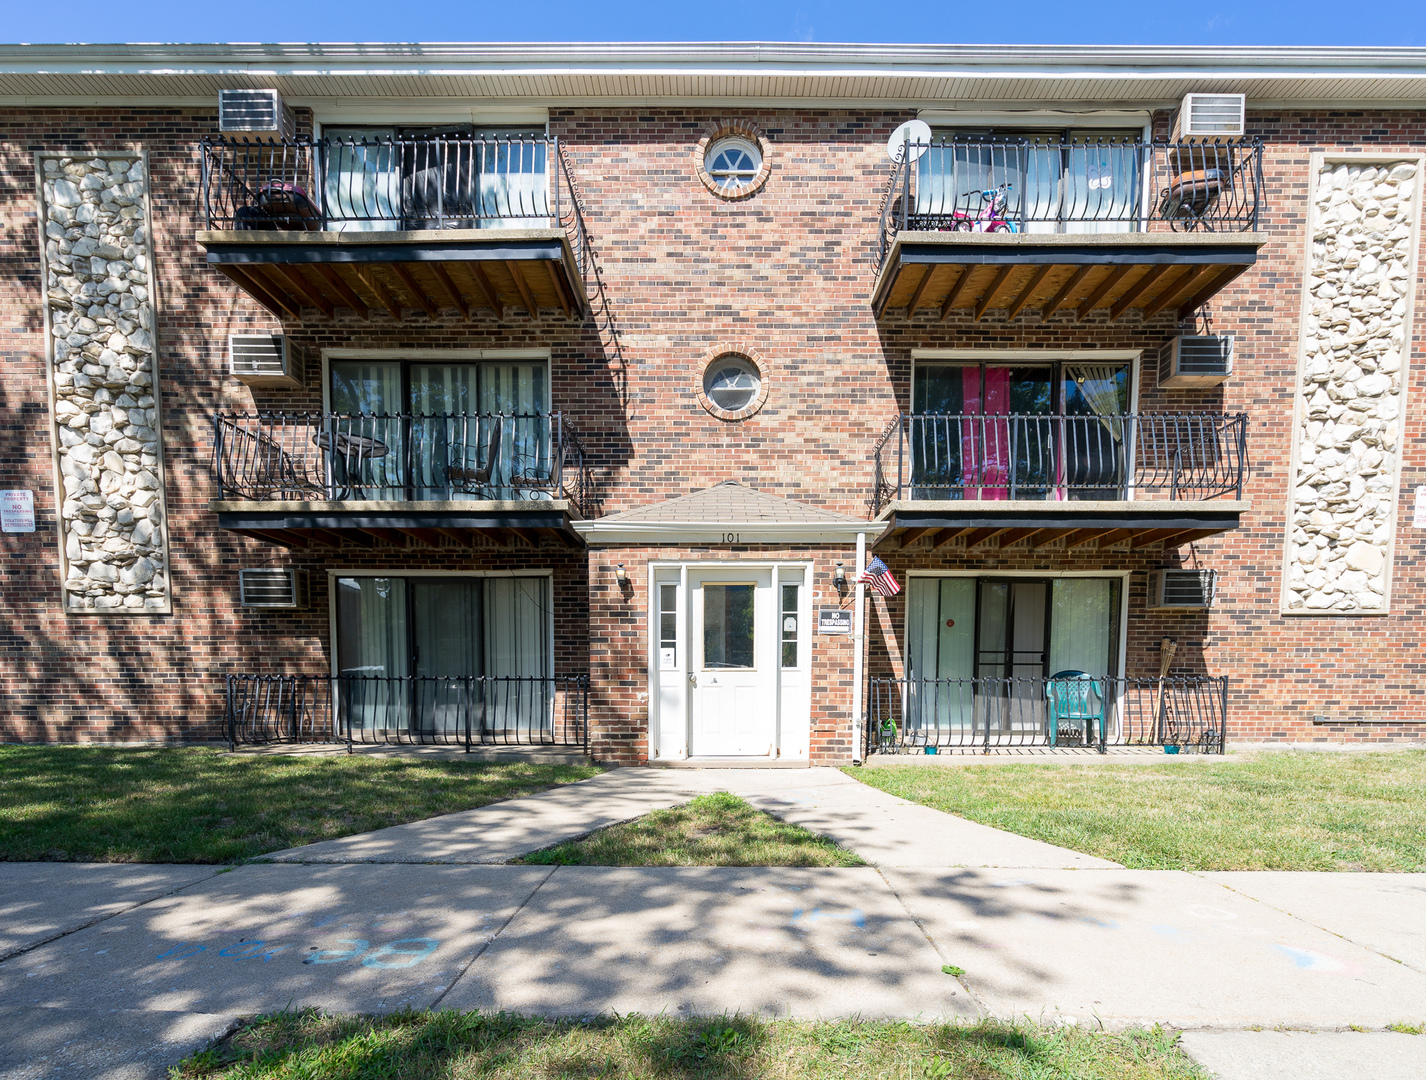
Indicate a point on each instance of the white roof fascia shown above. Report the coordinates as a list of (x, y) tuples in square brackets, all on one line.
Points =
[(613, 533), (904, 61)]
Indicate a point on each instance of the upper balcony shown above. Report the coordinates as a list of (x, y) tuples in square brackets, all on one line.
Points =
[(444, 480), (402, 224), (1114, 225), (1138, 479)]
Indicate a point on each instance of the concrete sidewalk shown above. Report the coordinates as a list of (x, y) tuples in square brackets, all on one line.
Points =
[(883, 829), (178, 953)]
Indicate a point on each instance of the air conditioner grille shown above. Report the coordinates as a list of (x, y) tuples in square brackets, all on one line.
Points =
[(1182, 588), (269, 588), (1207, 115), (1196, 360), (256, 354), (254, 110)]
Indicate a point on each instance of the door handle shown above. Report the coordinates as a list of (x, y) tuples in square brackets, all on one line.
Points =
[(693, 678)]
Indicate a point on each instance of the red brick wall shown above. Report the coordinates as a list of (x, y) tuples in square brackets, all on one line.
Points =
[(790, 269)]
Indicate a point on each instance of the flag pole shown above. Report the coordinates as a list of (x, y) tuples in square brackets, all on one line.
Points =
[(857, 639)]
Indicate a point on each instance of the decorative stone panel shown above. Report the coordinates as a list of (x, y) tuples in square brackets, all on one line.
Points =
[(103, 381), (1351, 381)]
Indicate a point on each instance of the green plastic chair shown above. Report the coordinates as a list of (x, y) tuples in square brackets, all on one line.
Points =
[(1076, 698)]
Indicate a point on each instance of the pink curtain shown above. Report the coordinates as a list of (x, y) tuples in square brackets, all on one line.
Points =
[(985, 441)]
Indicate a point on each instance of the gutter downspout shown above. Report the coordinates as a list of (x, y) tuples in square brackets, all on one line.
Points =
[(858, 637)]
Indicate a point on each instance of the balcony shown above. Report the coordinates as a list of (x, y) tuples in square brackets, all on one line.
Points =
[(994, 481), (1107, 226), (401, 224), (476, 480)]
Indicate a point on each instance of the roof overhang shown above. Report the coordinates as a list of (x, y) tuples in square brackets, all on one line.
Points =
[(488, 524), (1150, 272), (467, 270), (991, 524), (636, 534), (912, 76)]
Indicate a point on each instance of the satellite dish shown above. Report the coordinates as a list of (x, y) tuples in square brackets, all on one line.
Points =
[(915, 132)]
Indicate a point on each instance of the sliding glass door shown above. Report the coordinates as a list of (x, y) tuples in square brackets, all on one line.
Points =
[(1052, 430), (441, 431), (427, 655), (980, 650)]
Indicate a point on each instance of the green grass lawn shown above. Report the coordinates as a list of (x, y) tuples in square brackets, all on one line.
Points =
[(1271, 811), (712, 830), (441, 1045), (161, 804)]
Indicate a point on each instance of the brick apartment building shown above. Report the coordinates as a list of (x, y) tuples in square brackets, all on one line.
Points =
[(559, 394)]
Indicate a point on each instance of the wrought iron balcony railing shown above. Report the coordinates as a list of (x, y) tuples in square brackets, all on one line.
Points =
[(905, 716), (405, 182), (302, 457), (445, 710), (1129, 456), (1092, 186)]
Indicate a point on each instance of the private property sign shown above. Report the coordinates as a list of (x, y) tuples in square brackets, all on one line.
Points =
[(834, 621), (17, 511)]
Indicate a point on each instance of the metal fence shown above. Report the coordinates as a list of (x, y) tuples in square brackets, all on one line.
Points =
[(1088, 186), (399, 182), (908, 715), (456, 710), (398, 457), (1130, 456)]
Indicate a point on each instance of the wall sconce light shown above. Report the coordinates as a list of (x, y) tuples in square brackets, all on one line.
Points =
[(621, 576), (839, 578)]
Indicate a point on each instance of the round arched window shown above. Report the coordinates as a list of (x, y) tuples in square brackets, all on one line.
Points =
[(733, 385), (733, 164)]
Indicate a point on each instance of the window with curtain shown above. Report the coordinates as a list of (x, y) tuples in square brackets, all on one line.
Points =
[(458, 176), (448, 414), (997, 431), (1059, 180), (424, 653)]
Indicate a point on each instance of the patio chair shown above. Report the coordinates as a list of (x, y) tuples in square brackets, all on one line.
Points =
[(261, 468), (472, 478), (1076, 700)]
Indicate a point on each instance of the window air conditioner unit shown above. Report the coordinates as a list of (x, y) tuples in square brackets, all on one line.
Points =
[(265, 587), (264, 360), (1196, 360), (1211, 116), (260, 113), (1182, 588)]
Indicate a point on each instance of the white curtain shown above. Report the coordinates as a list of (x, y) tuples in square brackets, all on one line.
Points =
[(447, 616), (1081, 624), (366, 403), (513, 187), (517, 626), (363, 181), (1102, 182), (940, 645), (372, 652), (517, 393), (445, 431), (1100, 388)]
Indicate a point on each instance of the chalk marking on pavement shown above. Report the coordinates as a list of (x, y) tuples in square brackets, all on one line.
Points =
[(21, 950), (491, 940), (1305, 921)]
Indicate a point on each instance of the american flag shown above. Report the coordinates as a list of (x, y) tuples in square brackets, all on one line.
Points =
[(879, 578)]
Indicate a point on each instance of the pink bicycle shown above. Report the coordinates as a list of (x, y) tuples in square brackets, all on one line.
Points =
[(990, 217)]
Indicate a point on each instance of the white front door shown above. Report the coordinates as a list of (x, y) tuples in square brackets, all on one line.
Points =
[(733, 670)]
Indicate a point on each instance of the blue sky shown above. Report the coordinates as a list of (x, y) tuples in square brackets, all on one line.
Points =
[(1111, 22)]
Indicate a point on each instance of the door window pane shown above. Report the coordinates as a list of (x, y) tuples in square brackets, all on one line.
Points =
[(668, 626), (373, 654), (728, 626), (789, 625), (1083, 615)]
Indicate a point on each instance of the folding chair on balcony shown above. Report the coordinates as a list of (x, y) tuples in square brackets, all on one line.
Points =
[(1076, 702), (467, 475), (263, 469)]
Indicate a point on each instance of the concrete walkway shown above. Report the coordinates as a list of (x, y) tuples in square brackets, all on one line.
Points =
[(118, 976)]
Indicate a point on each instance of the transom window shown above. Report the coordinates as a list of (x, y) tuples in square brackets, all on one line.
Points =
[(733, 163)]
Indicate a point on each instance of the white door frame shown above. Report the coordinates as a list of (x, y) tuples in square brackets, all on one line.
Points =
[(685, 643)]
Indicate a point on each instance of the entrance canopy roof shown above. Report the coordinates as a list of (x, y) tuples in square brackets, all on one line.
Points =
[(727, 513)]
